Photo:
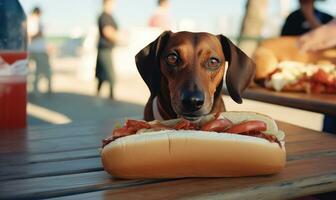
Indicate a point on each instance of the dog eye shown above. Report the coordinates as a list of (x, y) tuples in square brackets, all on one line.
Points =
[(213, 63), (172, 59)]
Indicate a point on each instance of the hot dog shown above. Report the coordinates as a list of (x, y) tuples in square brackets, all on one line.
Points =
[(225, 145)]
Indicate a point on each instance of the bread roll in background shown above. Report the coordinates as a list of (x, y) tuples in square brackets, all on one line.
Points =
[(270, 52), (265, 61)]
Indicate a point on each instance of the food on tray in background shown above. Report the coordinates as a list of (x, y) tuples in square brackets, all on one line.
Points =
[(297, 76)]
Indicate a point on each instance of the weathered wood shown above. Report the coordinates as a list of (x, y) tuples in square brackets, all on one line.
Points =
[(45, 169), (278, 191), (51, 166), (51, 145), (82, 196), (12, 159), (53, 186), (306, 186), (68, 130), (321, 103), (299, 178)]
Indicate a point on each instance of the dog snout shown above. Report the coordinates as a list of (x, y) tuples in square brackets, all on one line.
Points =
[(192, 100)]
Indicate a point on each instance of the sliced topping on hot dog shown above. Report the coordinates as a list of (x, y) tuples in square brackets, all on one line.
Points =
[(131, 127), (255, 128), (247, 126), (184, 125), (137, 124), (259, 134), (217, 125)]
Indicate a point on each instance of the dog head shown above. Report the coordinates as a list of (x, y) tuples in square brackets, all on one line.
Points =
[(192, 66)]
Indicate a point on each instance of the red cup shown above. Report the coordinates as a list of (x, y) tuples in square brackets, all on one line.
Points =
[(13, 95)]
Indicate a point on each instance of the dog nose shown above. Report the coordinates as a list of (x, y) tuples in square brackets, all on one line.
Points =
[(192, 100)]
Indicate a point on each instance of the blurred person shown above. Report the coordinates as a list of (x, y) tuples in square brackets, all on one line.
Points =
[(306, 18), (318, 39), (161, 18), (301, 21), (108, 37), (38, 49)]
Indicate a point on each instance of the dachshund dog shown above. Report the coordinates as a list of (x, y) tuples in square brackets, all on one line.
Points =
[(184, 72)]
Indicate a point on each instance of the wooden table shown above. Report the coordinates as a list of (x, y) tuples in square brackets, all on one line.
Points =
[(63, 161), (321, 103)]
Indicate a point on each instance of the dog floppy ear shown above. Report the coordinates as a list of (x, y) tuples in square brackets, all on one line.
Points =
[(148, 62), (241, 69)]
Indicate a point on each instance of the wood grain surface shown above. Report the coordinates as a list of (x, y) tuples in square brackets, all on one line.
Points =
[(63, 162)]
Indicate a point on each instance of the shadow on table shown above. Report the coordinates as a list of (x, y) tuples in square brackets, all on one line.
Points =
[(60, 108)]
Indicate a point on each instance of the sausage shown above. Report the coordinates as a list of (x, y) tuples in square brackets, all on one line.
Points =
[(247, 126), (251, 127), (185, 125), (137, 124), (218, 125)]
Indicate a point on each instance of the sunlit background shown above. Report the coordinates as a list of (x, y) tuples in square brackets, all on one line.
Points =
[(71, 31), (77, 17)]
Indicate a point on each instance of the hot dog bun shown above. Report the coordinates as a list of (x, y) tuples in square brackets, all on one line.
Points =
[(186, 153)]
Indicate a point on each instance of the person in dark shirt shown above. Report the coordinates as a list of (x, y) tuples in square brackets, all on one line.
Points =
[(304, 19), (108, 37), (319, 39)]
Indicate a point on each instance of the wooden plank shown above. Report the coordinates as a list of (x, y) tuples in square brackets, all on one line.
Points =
[(83, 196), (51, 145), (53, 186), (299, 178), (45, 169), (294, 148), (275, 192), (12, 159), (60, 132), (306, 142), (301, 145), (294, 132), (289, 190), (68, 130), (321, 103)]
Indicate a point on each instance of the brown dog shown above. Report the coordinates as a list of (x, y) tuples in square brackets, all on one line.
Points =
[(184, 73)]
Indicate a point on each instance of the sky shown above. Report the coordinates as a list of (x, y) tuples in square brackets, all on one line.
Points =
[(63, 17)]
